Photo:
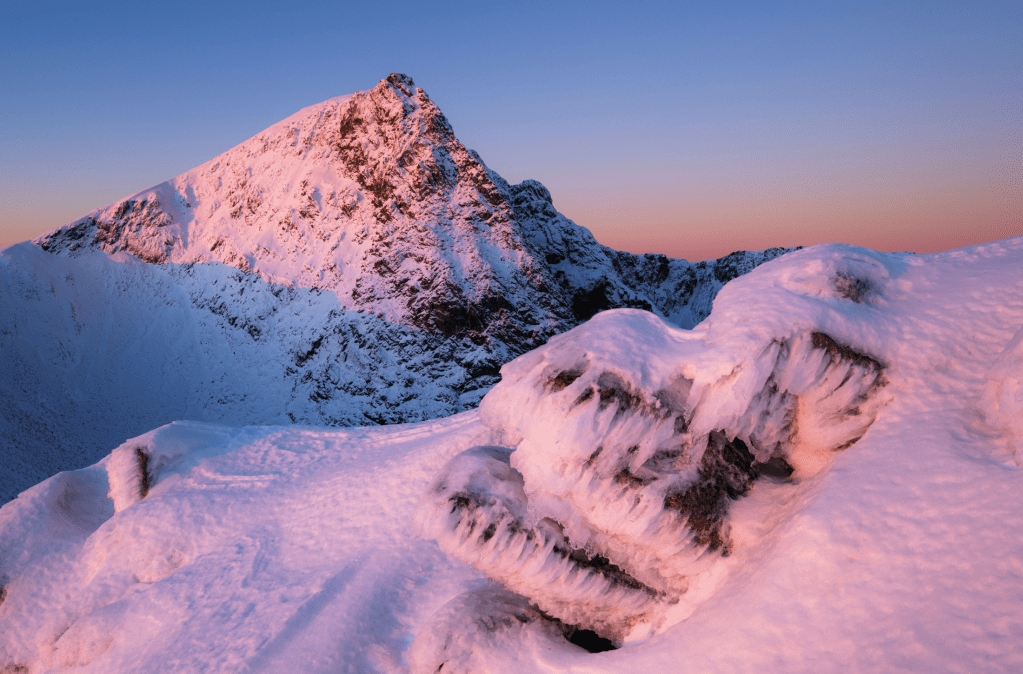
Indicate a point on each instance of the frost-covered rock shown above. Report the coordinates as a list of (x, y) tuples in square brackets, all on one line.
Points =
[(137, 466), (490, 630), (479, 512), (632, 439)]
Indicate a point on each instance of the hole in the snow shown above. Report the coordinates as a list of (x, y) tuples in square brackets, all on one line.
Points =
[(776, 467), (591, 641)]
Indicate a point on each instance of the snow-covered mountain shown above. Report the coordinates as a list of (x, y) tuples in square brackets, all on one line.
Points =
[(372, 197), (823, 476), (352, 264)]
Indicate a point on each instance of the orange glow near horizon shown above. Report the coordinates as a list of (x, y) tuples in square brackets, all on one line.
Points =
[(886, 217)]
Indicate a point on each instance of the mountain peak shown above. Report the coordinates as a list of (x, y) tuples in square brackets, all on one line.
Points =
[(400, 80), (373, 197), (337, 192)]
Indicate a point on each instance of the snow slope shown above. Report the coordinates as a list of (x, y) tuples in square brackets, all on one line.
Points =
[(97, 349), (351, 264), (296, 549)]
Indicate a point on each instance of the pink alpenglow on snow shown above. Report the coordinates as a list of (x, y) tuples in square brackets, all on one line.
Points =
[(822, 476)]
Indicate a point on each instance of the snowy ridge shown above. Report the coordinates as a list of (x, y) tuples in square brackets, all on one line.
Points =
[(352, 264), (295, 545), (97, 350)]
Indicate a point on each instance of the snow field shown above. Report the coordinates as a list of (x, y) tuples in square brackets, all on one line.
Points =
[(297, 548)]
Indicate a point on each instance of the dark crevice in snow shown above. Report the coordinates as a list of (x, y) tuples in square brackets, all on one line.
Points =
[(605, 567), (566, 377), (302, 358), (852, 288), (590, 641), (839, 352)]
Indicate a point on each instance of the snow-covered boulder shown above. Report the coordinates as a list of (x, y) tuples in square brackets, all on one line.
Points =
[(630, 446), (632, 438)]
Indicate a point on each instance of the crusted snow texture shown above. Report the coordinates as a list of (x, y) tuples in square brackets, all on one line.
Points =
[(356, 259), (1002, 400), (631, 440), (137, 466)]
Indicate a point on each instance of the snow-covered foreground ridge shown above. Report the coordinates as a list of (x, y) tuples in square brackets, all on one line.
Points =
[(352, 264), (888, 384)]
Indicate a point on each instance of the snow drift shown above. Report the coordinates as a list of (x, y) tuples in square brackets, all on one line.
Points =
[(1002, 400)]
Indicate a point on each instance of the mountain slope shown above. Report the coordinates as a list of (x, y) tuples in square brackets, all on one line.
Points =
[(353, 264)]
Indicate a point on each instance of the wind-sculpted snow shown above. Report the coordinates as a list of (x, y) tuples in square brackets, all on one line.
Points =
[(359, 262), (479, 512), (626, 460), (633, 438), (479, 629)]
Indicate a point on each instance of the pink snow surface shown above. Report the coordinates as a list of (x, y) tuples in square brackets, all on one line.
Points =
[(293, 548)]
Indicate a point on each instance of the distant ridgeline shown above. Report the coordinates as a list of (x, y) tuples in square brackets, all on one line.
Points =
[(353, 264)]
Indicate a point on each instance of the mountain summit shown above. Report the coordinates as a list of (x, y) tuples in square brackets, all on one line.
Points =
[(353, 264)]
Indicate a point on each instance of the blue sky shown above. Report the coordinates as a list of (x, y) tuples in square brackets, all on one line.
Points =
[(692, 129)]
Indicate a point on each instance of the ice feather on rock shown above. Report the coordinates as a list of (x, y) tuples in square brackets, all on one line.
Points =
[(631, 440)]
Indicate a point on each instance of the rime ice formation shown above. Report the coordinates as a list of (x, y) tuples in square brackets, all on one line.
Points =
[(467, 634), (631, 440), (298, 546), (352, 264)]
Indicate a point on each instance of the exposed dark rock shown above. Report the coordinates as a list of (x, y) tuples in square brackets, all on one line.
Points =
[(142, 459), (726, 473)]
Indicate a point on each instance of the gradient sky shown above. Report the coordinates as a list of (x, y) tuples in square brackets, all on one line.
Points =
[(691, 129)]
